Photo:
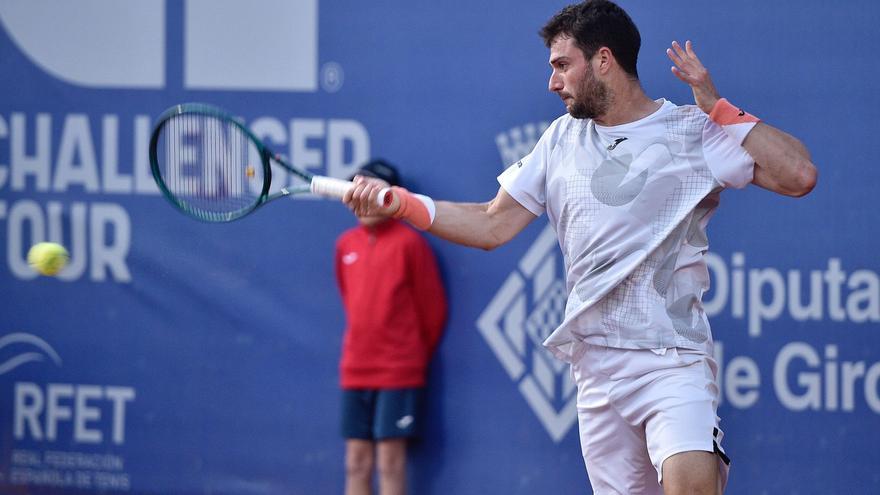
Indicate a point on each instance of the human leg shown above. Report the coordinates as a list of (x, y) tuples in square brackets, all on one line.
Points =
[(391, 466), (639, 408), (614, 451), (614, 454), (359, 463), (357, 429), (678, 406), (692, 473), (397, 420)]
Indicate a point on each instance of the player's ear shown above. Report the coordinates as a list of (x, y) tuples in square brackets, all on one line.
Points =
[(603, 59)]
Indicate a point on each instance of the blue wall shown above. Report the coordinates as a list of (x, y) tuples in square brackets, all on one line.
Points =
[(179, 357)]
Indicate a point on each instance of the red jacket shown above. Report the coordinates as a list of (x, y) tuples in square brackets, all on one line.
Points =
[(394, 302)]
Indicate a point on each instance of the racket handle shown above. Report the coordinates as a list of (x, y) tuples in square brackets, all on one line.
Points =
[(336, 188), (329, 186), (386, 198)]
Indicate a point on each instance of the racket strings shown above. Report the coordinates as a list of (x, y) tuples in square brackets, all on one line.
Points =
[(210, 166)]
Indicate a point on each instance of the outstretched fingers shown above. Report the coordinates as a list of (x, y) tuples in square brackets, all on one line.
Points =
[(689, 49), (687, 66), (689, 69)]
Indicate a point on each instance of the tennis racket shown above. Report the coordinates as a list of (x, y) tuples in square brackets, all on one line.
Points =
[(210, 166)]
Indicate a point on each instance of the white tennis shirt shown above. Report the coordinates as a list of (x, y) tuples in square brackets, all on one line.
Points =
[(630, 205)]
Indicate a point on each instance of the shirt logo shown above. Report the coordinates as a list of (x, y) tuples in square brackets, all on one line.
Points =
[(615, 143), (404, 422), (349, 258)]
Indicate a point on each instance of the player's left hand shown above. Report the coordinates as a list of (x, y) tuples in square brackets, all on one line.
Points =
[(689, 69)]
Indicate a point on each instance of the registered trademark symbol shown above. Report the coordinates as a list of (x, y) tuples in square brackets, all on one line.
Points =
[(332, 77)]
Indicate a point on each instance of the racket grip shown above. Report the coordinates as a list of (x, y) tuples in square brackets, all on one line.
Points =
[(387, 199), (329, 186), (336, 188)]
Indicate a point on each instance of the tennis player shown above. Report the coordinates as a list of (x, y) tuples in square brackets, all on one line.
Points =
[(629, 183)]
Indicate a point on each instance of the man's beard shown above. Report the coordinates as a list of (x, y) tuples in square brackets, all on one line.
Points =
[(592, 98)]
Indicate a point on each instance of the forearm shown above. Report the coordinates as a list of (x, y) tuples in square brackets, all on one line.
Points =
[(782, 163), (482, 225), (471, 224)]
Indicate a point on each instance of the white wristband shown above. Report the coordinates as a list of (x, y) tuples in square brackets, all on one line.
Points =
[(429, 204)]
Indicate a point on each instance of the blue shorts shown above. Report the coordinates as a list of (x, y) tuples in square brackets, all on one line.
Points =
[(370, 414)]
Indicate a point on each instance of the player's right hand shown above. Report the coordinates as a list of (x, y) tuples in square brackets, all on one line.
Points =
[(362, 198)]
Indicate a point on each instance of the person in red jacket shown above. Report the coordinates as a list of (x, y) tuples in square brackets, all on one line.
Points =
[(395, 309)]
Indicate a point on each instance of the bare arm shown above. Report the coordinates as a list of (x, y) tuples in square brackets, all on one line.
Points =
[(481, 225), (782, 162)]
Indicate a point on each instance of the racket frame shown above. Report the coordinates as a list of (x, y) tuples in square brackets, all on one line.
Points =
[(266, 159)]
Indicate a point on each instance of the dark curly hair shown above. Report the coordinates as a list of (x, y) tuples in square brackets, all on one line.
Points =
[(594, 24)]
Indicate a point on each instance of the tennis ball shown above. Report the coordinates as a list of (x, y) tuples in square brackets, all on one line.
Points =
[(47, 258)]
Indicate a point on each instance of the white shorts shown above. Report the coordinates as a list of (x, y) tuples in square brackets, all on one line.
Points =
[(636, 408)]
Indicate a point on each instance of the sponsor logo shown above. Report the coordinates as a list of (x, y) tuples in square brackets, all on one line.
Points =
[(108, 44), (615, 143), (525, 310), (26, 348), (405, 422), (49, 416)]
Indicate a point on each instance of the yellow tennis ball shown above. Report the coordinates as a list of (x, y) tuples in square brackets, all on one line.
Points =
[(48, 258)]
